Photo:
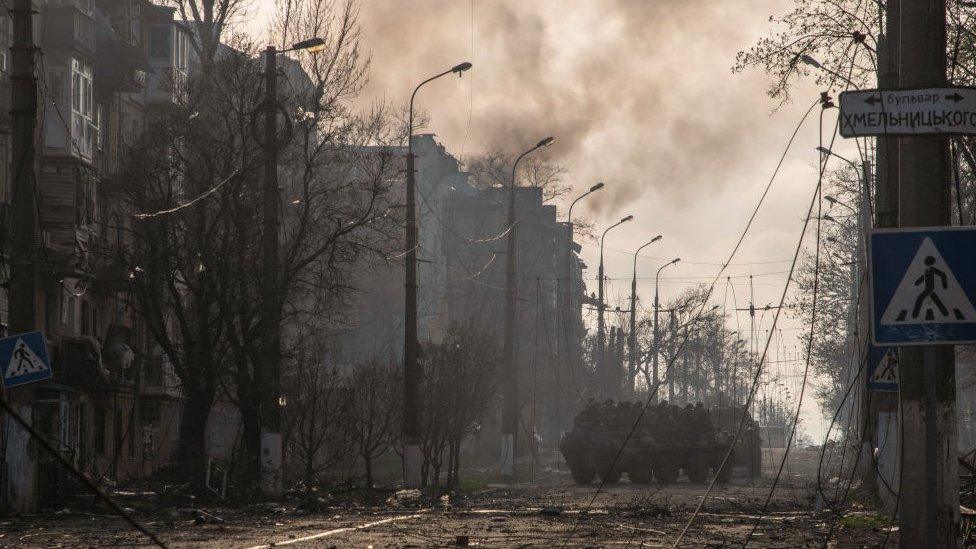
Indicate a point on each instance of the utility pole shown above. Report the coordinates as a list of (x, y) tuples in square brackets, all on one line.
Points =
[(510, 399), (632, 336), (657, 346), (24, 230), (930, 515), (411, 344), (271, 299), (603, 370), (671, 343), (886, 215)]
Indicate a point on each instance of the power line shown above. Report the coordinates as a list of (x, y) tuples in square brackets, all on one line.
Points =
[(704, 302), (755, 382)]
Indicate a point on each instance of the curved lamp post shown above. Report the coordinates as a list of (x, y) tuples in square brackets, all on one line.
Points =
[(510, 404), (632, 340), (600, 329), (411, 371), (657, 305)]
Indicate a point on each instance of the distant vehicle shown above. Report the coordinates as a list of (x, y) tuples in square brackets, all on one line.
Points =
[(668, 439)]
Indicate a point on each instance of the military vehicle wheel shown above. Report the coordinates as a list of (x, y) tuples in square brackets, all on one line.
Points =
[(611, 477), (582, 475), (666, 473), (639, 474), (696, 470), (723, 475)]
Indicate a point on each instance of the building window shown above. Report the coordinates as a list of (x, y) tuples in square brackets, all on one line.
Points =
[(160, 43), (85, 317), (83, 124)]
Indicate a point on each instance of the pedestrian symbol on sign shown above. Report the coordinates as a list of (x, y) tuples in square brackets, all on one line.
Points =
[(887, 370), (883, 368), (24, 361), (928, 292)]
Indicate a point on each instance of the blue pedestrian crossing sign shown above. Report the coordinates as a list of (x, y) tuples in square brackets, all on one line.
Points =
[(24, 359), (923, 285), (883, 368)]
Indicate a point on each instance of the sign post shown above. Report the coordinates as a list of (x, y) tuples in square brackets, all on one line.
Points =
[(923, 285), (24, 359), (882, 368), (917, 111)]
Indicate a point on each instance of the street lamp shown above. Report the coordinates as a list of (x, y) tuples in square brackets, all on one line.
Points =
[(411, 346), (271, 300), (593, 189), (565, 285), (600, 329), (816, 64), (656, 307), (510, 404), (632, 361), (833, 200)]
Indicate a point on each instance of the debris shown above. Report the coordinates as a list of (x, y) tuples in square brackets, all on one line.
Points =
[(462, 541), (202, 517), (402, 498), (551, 511)]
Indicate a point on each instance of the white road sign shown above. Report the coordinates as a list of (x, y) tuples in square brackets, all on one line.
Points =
[(908, 112)]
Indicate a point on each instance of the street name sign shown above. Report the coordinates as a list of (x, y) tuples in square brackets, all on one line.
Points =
[(923, 285), (883, 368), (24, 359), (922, 111)]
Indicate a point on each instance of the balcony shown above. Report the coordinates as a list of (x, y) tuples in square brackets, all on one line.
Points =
[(67, 28), (121, 68)]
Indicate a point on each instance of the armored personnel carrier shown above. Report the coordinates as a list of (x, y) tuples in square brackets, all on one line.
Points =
[(667, 439)]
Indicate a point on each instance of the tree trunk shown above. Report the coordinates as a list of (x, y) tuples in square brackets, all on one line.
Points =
[(250, 407), (193, 437), (368, 463)]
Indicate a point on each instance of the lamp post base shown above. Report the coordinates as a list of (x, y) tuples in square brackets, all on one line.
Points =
[(271, 464), (507, 461), (412, 460)]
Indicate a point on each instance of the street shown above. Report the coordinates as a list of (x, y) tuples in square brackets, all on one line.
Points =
[(494, 515)]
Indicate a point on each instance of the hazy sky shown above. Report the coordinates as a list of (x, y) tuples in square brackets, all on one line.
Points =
[(639, 94)]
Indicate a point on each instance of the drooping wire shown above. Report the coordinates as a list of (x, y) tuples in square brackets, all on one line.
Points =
[(701, 307), (759, 369)]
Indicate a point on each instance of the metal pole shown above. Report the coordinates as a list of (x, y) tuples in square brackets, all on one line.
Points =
[(632, 339), (411, 346), (601, 363), (270, 459), (23, 236), (411, 369), (657, 347), (930, 517), (510, 404)]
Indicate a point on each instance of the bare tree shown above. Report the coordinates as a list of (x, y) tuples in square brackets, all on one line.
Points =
[(193, 267), (460, 386), (375, 412), (494, 169), (317, 437)]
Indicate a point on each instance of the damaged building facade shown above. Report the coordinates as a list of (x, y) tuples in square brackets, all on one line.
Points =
[(113, 403), (462, 231)]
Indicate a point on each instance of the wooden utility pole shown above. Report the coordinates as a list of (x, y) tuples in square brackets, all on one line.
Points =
[(18, 462), (930, 495)]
